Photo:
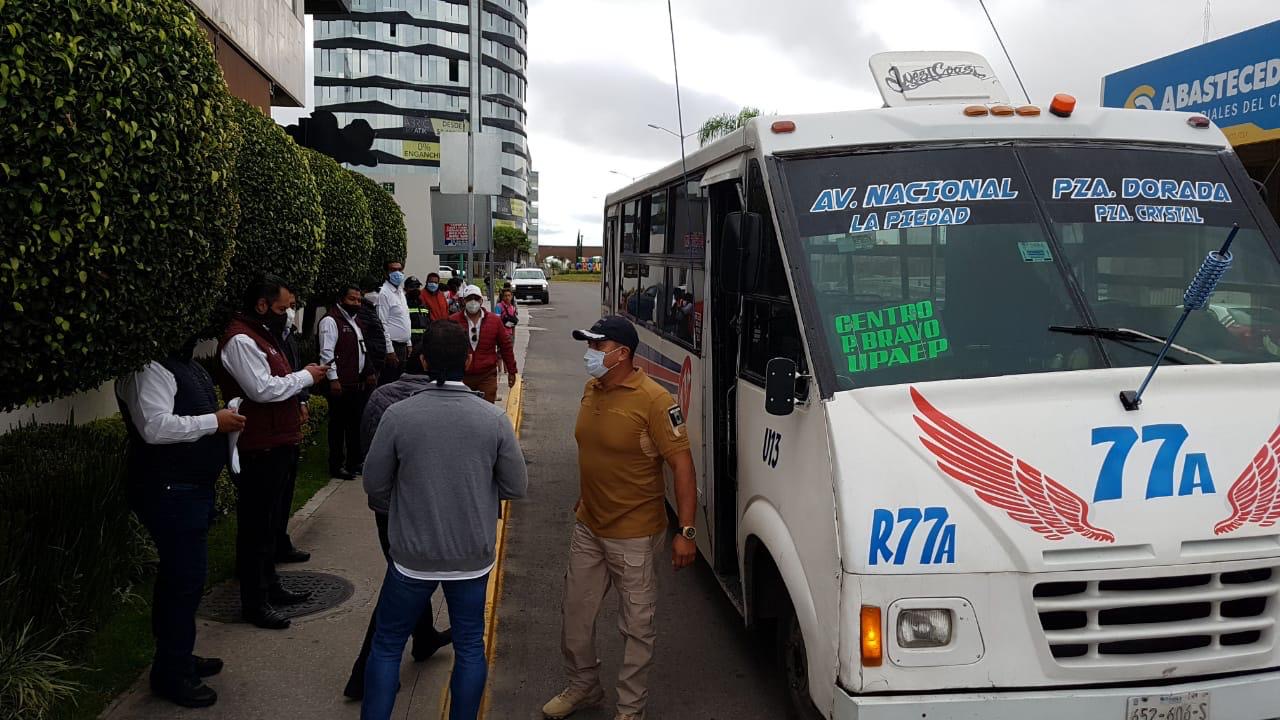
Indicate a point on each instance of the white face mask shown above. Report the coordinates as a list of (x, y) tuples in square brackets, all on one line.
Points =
[(473, 307), (594, 360)]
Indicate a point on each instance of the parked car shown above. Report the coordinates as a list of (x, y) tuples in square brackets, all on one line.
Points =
[(530, 283), (446, 273)]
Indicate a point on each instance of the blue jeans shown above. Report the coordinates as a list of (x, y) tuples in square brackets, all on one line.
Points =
[(399, 606), (178, 518)]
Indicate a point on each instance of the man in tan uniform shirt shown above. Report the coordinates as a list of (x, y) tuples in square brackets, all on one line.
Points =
[(628, 425)]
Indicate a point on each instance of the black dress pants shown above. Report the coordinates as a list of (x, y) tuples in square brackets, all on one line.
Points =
[(177, 516), (263, 478), (284, 544), (345, 411), (391, 374), (423, 633)]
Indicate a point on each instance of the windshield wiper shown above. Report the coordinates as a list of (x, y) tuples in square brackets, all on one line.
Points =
[(1123, 334)]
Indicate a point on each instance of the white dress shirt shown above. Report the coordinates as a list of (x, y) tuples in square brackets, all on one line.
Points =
[(473, 328), (329, 341), (393, 311), (248, 365), (148, 394)]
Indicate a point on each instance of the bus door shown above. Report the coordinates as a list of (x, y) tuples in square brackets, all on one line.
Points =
[(725, 300), (609, 273)]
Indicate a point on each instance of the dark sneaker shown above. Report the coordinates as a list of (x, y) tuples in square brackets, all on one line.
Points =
[(424, 650), (278, 595), (207, 667), (186, 692), (293, 555), (341, 474), (267, 618)]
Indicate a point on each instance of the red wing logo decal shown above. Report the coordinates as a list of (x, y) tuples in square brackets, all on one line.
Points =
[(999, 479), (1255, 496)]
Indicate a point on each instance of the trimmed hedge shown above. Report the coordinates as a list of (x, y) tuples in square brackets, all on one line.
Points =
[(348, 233), (117, 202), (282, 224), (390, 238)]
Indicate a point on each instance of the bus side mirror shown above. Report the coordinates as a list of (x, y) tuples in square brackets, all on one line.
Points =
[(780, 386), (740, 245)]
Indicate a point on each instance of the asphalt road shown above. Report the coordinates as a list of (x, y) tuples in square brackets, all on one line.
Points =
[(707, 666)]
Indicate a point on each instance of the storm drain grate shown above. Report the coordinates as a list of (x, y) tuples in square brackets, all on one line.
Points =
[(222, 604)]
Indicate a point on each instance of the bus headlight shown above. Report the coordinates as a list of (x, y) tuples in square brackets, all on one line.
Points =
[(924, 628), (932, 632)]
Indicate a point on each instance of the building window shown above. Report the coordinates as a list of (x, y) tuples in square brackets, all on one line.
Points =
[(453, 70)]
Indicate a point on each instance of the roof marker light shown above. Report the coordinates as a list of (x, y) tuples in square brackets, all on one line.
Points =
[(1028, 110), (1002, 110), (1198, 121), (1063, 105), (783, 126), (976, 111)]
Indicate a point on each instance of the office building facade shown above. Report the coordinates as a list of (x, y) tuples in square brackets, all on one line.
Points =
[(415, 69)]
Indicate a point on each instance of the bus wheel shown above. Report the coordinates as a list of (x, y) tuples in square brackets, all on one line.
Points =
[(794, 662)]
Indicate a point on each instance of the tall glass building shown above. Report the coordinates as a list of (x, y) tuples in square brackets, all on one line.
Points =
[(416, 68)]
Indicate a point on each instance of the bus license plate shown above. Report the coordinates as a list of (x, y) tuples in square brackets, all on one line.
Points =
[(1184, 706)]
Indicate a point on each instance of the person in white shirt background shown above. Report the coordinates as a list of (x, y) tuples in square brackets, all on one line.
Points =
[(351, 377), (176, 452), (258, 370), (393, 311)]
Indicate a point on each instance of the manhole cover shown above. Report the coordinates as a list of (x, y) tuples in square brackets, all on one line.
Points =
[(222, 603)]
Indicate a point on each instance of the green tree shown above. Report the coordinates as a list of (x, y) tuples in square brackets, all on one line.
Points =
[(282, 223), (348, 231), (510, 243), (725, 123), (119, 210), (390, 238)]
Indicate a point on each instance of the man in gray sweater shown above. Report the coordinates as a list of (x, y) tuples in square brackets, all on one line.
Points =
[(442, 493)]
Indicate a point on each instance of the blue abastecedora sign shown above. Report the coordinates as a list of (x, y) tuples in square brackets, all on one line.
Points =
[(1234, 81)]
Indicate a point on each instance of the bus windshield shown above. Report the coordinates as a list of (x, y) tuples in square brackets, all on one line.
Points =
[(965, 262)]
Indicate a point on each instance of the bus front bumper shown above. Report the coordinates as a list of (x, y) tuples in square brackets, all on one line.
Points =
[(1247, 697)]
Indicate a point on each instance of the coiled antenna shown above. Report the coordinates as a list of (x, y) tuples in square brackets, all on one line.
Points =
[(1215, 265)]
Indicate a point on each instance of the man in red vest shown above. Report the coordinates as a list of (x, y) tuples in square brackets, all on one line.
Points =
[(488, 338), (344, 348), (257, 370)]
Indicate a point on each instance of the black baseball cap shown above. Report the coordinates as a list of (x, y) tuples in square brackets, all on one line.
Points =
[(613, 327)]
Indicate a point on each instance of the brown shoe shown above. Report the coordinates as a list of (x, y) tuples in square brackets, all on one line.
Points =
[(571, 701)]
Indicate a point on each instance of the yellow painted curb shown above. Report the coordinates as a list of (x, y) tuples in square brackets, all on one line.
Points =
[(515, 413)]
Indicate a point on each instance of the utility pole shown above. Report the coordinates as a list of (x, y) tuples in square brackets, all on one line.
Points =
[(475, 12)]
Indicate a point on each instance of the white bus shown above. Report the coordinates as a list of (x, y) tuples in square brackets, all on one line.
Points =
[(946, 511)]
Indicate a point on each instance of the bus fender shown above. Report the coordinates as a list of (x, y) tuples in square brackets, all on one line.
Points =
[(762, 526)]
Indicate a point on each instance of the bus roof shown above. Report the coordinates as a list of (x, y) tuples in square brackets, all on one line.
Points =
[(933, 123)]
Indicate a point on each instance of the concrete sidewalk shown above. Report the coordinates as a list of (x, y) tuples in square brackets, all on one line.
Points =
[(300, 672)]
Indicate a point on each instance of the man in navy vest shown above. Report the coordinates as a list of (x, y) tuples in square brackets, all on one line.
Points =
[(176, 451), (257, 370), (344, 347)]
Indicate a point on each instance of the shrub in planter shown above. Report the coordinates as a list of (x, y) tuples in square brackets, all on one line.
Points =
[(390, 239), (117, 202), (67, 537), (281, 222), (348, 239)]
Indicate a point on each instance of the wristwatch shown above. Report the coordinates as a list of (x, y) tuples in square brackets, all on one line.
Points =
[(689, 532)]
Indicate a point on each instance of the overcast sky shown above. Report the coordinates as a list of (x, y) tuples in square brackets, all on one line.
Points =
[(600, 70)]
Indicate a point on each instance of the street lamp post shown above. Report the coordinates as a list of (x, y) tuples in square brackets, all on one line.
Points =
[(672, 133)]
